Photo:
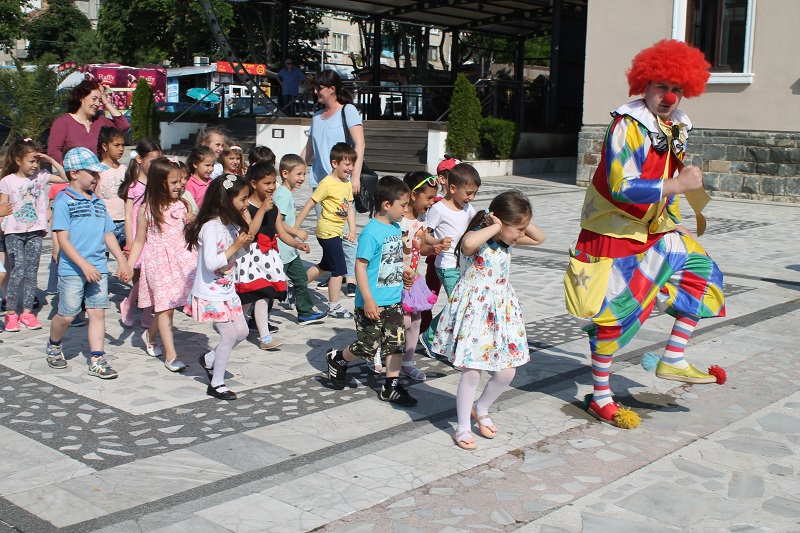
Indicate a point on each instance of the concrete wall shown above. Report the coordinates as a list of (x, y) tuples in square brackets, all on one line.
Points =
[(284, 135), (172, 134)]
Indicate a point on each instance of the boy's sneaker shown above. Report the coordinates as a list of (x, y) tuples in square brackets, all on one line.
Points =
[(12, 322), (29, 321), (313, 318), (54, 356), (101, 369), (79, 322), (427, 346), (350, 290), (337, 372), (397, 394), (323, 283), (339, 312)]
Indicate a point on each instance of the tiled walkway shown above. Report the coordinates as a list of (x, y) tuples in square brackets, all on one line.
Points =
[(150, 452)]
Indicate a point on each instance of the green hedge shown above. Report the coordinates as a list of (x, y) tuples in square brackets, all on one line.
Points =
[(464, 120), (144, 117), (499, 138)]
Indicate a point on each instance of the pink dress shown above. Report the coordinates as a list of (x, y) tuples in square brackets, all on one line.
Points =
[(136, 194), (168, 268)]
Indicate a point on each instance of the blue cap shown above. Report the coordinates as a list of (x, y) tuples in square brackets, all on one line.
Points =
[(83, 159)]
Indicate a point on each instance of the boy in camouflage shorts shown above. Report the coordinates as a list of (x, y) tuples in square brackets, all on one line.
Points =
[(380, 278)]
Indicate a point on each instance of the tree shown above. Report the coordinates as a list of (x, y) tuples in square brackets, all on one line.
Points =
[(464, 120), (56, 30), (144, 117), (87, 49), (148, 31), (11, 22), (29, 102)]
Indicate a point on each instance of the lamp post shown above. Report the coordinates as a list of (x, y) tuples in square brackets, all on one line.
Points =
[(322, 33)]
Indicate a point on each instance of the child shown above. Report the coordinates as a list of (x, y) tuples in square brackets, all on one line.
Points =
[(219, 233), (201, 163), (447, 221), (416, 240), (259, 273), (24, 187), (232, 160), (132, 191), (261, 153), (335, 194), (213, 138), (380, 276), (431, 279), (84, 231), (111, 147), (481, 326), (167, 267), (293, 175)]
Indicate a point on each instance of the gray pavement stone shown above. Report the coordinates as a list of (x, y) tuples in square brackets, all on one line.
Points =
[(758, 447), (745, 485), (678, 506), (780, 423), (593, 523), (783, 507)]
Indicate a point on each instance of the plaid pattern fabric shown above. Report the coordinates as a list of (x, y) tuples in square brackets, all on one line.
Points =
[(676, 272), (82, 159)]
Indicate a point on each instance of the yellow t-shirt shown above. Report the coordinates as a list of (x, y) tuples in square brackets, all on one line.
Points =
[(335, 197)]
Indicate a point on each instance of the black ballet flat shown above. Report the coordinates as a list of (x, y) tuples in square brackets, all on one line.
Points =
[(202, 361), (224, 395)]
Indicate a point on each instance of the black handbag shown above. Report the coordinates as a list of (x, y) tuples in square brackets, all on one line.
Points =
[(364, 201)]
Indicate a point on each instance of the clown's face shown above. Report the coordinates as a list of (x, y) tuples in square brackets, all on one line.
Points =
[(654, 98)]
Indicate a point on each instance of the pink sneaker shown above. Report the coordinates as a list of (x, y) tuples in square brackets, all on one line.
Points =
[(12, 322), (30, 321)]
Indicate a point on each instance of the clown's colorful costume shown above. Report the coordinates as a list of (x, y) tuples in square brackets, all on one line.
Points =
[(631, 252)]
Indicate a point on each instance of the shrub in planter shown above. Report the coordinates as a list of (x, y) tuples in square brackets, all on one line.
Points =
[(144, 117), (464, 121), (499, 138)]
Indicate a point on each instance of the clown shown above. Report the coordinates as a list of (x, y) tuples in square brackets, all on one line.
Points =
[(633, 252)]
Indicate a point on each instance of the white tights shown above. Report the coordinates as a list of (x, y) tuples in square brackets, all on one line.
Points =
[(261, 316), (468, 386), (230, 334)]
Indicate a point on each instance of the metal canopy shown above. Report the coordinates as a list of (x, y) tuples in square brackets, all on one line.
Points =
[(505, 18)]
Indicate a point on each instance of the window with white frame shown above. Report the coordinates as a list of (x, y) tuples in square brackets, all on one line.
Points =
[(723, 30), (339, 42)]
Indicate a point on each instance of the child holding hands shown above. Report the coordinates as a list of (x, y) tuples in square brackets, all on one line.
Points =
[(219, 234), (380, 278), (84, 231)]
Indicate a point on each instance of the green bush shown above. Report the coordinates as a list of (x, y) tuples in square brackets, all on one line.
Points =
[(29, 99), (464, 121), (499, 138), (144, 117)]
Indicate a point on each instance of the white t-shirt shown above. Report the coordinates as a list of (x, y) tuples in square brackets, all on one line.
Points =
[(444, 222)]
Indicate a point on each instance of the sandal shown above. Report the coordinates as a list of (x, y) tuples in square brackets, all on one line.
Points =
[(489, 432), (413, 372), (464, 440)]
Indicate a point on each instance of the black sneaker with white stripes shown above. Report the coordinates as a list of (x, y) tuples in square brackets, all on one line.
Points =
[(396, 393), (337, 372)]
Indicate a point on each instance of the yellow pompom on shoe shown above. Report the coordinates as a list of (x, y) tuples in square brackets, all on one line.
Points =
[(612, 413), (687, 375)]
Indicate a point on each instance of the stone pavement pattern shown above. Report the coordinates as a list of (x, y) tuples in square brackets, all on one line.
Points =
[(150, 452)]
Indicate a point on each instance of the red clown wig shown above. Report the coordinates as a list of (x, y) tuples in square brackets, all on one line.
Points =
[(671, 61)]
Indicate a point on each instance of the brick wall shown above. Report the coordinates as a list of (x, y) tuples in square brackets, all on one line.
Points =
[(758, 165)]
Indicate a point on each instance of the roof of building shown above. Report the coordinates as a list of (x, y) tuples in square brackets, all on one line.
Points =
[(509, 18)]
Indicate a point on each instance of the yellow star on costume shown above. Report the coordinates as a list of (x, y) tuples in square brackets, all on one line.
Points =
[(581, 278)]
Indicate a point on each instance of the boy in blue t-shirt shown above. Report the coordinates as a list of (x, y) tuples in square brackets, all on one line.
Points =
[(84, 229), (380, 278)]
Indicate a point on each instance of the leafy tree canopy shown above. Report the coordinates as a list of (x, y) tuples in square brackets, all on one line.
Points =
[(56, 30), (11, 22)]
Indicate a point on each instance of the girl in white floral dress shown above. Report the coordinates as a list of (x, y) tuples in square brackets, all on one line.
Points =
[(220, 234), (481, 326)]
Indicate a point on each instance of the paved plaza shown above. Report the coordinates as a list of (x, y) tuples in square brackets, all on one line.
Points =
[(151, 452)]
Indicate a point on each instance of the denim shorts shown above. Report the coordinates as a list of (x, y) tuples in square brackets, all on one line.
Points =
[(333, 260), (119, 232), (72, 290)]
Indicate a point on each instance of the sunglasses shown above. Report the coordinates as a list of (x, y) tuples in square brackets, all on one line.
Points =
[(430, 180)]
